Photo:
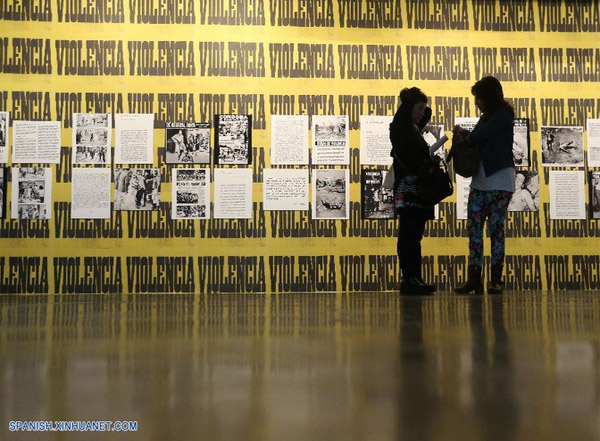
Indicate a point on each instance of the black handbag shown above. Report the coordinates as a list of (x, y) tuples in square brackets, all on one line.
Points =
[(465, 157), (433, 182)]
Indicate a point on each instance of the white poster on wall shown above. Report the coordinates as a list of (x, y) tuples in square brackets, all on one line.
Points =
[(36, 142), (375, 144), (4, 124), (567, 194), (331, 139), (466, 122), (191, 193), (134, 138), (285, 189), (593, 142), (233, 193), (31, 193), (91, 138), (90, 193), (289, 139), (562, 146), (463, 188)]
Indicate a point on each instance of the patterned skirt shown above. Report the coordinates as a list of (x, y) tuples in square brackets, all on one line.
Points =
[(406, 197)]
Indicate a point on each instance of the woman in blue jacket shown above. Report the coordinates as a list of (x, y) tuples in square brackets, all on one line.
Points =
[(493, 184)]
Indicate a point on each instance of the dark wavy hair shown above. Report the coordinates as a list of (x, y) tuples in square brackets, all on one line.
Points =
[(410, 97), (489, 90)]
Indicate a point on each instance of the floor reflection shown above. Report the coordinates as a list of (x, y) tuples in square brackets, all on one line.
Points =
[(330, 366)]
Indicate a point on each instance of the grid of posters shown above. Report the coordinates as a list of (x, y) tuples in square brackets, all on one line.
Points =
[(134, 138), (595, 196), (567, 194), (527, 192), (31, 193), (331, 198), (4, 124), (331, 139), (187, 143), (3, 179), (289, 139), (91, 138), (521, 142), (233, 139), (233, 193), (191, 193), (377, 202), (593, 138), (36, 142), (285, 189), (137, 189), (90, 193), (562, 146), (375, 144)]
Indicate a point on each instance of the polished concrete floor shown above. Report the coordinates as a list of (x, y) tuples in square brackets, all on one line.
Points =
[(361, 366)]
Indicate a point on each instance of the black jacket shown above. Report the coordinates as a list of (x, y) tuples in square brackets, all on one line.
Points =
[(494, 137), (408, 145)]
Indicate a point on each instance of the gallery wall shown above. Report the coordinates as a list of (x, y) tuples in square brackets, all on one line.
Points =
[(189, 61)]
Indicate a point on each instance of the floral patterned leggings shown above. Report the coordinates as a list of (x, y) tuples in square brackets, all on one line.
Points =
[(493, 206)]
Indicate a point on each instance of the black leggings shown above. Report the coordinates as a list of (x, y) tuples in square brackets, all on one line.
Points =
[(410, 234)]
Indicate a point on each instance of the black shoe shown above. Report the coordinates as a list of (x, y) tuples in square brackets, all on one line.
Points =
[(495, 288), (473, 284), (414, 286)]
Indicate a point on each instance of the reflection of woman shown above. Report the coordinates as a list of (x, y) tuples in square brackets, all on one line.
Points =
[(410, 152), (493, 184)]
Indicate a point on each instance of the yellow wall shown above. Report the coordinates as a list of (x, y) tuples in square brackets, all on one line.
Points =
[(534, 49)]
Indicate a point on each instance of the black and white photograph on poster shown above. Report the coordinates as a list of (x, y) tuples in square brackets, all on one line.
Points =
[(91, 138), (331, 139), (432, 133), (4, 116), (377, 202), (3, 180), (595, 196), (233, 139), (527, 192), (562, 146), (521, 142), (187, 143), (330, 194), (137, 189), (31, 193), (191, 194)]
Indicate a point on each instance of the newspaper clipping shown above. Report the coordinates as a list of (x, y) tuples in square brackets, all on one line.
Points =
[(377, 201), (4, 124), (527, 192), (3, 180), (593, 137), (521, 142), (595, 197), (90, 193), (137, 189), (31, 193), (330, 194), (233, 143), (36, 142), (289, 139), (285, 189), (134, 138), (562, 146), (187, 143), (375, 144), (233, 193), (567, 194), (191, 193), (331, 139), (91, 138)]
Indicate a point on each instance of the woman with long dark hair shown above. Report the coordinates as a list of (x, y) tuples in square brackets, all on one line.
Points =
[(410, 151), (492, 186)]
